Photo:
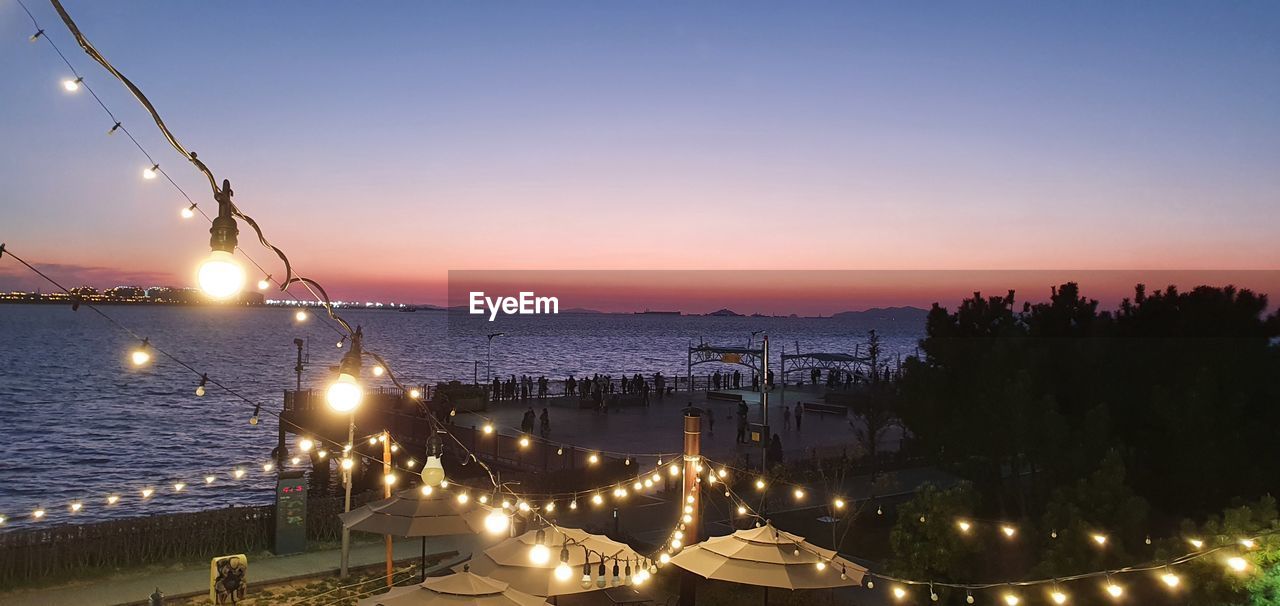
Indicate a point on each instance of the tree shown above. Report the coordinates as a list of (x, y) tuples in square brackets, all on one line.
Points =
[(924, 541)]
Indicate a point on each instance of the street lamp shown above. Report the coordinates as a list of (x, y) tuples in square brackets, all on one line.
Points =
[(344, 396), (488, 359)]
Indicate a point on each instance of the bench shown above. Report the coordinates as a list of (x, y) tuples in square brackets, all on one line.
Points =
[(726, 396), (829, 409)]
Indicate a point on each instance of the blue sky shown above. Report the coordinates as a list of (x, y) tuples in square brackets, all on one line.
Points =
[(385, 143)]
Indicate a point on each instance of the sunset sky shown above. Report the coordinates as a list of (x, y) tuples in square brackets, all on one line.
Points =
[(383, 144)]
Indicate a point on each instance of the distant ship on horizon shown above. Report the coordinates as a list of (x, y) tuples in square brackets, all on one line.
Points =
[(650, 312)]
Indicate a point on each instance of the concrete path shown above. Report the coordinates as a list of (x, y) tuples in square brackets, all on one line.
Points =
[(136, 586)]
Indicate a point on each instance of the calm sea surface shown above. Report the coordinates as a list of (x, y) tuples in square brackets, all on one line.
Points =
[(79, 423)]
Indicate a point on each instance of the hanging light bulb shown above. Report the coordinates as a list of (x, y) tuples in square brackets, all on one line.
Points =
[(1237, 564), (586, 575), (964, 526), (539, 554), (463, 498), (378, 371), (306, 444), (238, 473), (209, 479), (551, 506), (573, 504), (264, 283), (496, 522), (1008, 531), (344, 395), (1114, 590), (1197, 543), (563, 572), (70, 85), (220, 276), (1169, 579), (593, 459), (524, 442), (1100, 539), (488, 428), (204, 379), (151, 173), (253, 420), (600, 580), (189, 211), (1011, 599), (142, 354), (300, 316), (113, 499), (415, 393), (1057, 596), (433, 470), (899, 593), (37, 514), (76, 506), (617, 578)]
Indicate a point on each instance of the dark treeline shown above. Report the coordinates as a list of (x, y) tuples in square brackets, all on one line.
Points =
[(1183, 386)]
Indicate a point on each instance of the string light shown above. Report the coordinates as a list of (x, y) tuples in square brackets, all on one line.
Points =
[(593, 459), (1057, 596), (1197, 543), (496, 522), (378, 371), (1100, 539), (1237, 564), (70, 85), (344, 395), (200, 389), (1008, 531), (264, 283), (964, 526), (142, 354), (187, 211), (1169, 579), (220, 276)]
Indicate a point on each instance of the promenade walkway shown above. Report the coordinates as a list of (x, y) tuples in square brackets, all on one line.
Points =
[(134, 586)]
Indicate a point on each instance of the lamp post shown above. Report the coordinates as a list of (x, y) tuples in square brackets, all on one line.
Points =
[(344, 396), (488, 359)]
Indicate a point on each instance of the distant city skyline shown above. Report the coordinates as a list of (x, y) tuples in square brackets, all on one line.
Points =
[(422, 138)]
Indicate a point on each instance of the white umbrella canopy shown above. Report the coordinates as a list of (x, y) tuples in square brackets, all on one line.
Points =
[(410, 513), (510, 561), (461, 588), (768, 557)]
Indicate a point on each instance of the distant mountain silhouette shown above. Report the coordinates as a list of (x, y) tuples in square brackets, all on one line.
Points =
[(885, 314), (726, 313)]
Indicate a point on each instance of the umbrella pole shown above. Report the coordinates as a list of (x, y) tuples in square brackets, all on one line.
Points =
[(423, 565), (766, 596)]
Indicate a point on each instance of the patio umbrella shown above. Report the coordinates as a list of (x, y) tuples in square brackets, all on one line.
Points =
[(410, 513), (511, 561), (767, 557), (456, 589)]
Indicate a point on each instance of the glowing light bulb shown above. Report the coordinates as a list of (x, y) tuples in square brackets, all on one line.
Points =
[(551, 506), (1170, 579), (264, 284), (295, 460), (820, 565), (1008, 531), (373, 441), (664, 558), (597, 499), (140, 357), (673, 469), (563, 572), (378, 371), (200, 390), (655, 478), (463, 498), (70, 85), (686, 518), (300, 316), (347, 464), (1197, 543), (496, 522), (573, 504), (522, 506), (75, 507), (964, 525), (839, 503), (322, 453), (799, 494), (488, 428), (1237, 564), (113, 499), (305, 444), (344, 395), (742, 510), (238, 473), (220, 276), (389, 479), (637, 486), (524, 442), (676, 543), (539, 555), (433, 471), (1057, 596), (593, 459), (188, 211), (151, 173), (1114, 590), (37, 514), (1247, 543), (415, 393), (177, 487), (1100, 539), (209, 479), (267, 467), (147, 492), (759, 484), (484, 498), (899, 593)]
